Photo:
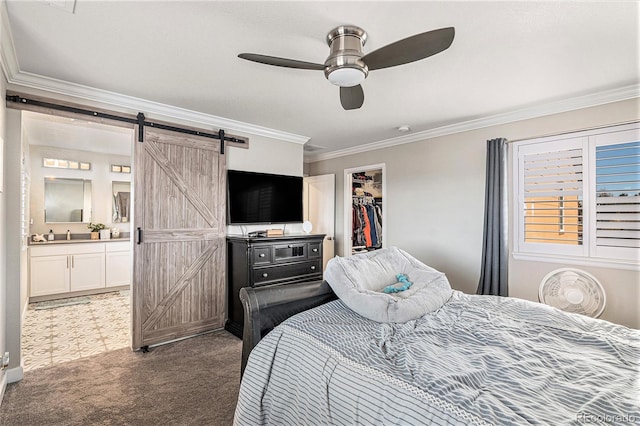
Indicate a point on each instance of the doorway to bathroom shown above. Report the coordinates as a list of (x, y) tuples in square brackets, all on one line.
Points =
[(76, 179)]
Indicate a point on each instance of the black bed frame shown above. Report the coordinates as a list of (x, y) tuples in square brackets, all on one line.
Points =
[(266, 307)]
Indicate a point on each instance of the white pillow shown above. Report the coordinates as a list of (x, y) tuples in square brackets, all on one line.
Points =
[(359, 281)]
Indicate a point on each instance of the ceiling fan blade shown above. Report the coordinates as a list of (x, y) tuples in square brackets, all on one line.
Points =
[(351, 97), (280, 62), (410, 49)]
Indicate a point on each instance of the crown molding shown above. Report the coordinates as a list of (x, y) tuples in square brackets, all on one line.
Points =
[(585, 101), (11, 70), (8, 59), (34, 81)]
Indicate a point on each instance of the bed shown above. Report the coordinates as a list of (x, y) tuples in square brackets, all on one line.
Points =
[(308, 358)]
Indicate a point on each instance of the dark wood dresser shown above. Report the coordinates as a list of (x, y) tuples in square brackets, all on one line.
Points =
[(262, 261)]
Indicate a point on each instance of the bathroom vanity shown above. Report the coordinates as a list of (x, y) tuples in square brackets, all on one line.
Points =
[(65, 268)]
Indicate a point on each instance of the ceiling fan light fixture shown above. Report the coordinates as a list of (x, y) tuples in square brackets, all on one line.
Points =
[(346, 77), (344, 66), (347, 66)]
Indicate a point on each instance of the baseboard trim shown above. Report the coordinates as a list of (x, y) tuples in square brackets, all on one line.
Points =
[(24, 314), (3, 386), (68, 294), (9, 376), (14, 374)]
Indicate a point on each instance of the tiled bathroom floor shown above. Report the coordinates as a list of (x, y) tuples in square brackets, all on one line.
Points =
[(61, 334)]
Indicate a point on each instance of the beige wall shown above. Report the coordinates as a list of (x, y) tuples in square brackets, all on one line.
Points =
[(435, 202), (267, 156)]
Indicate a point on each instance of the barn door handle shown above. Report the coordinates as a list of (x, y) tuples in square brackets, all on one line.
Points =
[(139, 236)]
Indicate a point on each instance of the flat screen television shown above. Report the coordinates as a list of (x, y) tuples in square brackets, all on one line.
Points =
[(261, 198)]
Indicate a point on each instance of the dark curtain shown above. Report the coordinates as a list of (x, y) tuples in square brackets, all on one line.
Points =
[(494, 271)]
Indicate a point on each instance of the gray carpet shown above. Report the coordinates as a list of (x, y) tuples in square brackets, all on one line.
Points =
[(191, 382)]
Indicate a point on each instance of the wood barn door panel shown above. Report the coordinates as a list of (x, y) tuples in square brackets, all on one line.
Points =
[(179, 282), (189, 193)]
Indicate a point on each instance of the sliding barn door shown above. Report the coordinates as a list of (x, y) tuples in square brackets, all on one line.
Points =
[(179, 220)]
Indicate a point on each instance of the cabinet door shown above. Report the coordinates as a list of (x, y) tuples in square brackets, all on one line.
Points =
[(49, 275), (87, 271), (118, 270)]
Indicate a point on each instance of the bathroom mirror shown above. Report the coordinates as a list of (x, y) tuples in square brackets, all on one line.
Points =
[(121, 201), (67, 200)]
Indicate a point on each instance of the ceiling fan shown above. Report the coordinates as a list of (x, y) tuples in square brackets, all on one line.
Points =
[(346, 65)]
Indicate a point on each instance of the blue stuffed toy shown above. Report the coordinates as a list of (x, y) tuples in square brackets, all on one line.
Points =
[(397, 288)]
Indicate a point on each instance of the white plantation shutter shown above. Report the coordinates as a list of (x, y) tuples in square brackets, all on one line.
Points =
[(551, 195), (617, 222), (617, 196), (579, 195)]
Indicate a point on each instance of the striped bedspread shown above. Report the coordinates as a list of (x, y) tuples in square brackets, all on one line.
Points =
[(477, 360)]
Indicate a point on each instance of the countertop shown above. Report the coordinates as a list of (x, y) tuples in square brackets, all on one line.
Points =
[(81, 241)]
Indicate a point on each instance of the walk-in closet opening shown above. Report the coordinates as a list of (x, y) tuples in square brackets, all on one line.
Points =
[(76, 228), (364, 210)]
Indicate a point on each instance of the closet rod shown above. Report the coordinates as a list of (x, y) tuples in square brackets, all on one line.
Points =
[(122, 118), (604, 126)]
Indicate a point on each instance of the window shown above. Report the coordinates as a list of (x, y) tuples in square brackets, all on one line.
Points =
[(65, 164), (578, 195)]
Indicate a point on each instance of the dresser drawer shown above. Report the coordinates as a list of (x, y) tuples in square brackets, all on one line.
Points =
[(315, 250), (264, 276), (261, 255)]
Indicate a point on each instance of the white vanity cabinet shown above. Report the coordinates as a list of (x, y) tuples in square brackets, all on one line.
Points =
[(66, 267), (49, 274), (118, 264), (87, 271)]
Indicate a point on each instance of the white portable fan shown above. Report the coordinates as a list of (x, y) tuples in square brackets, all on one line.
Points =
[(573, 290)]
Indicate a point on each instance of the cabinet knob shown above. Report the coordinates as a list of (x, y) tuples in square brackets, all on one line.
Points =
[(265, 275), (313, 268), (261, 255), (289, 246), (315, 250)]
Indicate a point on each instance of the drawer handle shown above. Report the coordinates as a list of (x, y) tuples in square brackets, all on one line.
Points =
[(289, 246), (265, 275), (315, 250), (261, 255), (313, 268)]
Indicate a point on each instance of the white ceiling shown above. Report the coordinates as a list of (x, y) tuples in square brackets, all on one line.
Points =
[(506, 56)]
